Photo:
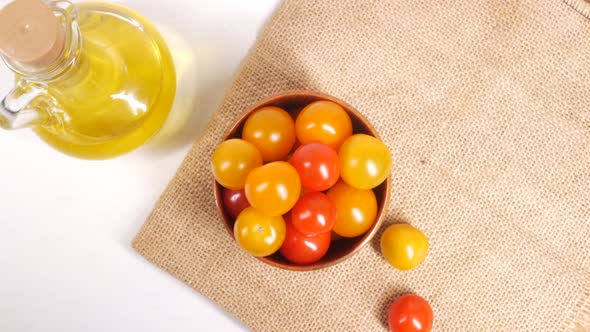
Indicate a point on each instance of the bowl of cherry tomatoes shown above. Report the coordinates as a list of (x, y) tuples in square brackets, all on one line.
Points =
[(301, 180)]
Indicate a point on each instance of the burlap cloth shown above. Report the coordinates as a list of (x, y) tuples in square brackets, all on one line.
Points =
[(485, 106)]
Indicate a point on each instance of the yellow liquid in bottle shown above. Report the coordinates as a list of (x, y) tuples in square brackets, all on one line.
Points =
[(120, 91)]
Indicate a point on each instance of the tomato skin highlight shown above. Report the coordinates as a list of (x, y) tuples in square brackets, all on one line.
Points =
[(365, 161), (318, 166), (357, 209), (273, 188), (323, 121), (304, 249), (259, 234), (404, 246), (232, 161), (314, 213), (234, 201), (410, 313), (272, 131)]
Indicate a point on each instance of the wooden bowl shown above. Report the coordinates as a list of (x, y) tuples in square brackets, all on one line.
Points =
[(340, 249)]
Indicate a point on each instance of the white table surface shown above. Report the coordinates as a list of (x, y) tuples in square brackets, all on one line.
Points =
[(66, 262)]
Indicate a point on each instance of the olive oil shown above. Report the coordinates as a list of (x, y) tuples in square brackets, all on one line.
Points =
[(112, 93), (120, 92)]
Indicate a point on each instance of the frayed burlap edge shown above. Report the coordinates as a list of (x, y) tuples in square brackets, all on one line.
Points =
[(579, 319), (581, 6)]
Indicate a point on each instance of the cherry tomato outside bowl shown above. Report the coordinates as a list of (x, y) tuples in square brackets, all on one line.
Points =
[(404, 246), (410, 313)]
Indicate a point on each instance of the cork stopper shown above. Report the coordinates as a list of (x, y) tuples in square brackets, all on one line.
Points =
[(30, 33)]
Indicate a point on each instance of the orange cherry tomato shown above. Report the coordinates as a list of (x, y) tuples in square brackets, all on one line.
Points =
[(303, 249), (323, 121), (317, 164), (233, 160), (234, 201), (273, 188), (410, 313), (314, 213), (272, 131), (365, 161), (356, 208), (404, 246), (258, 233)]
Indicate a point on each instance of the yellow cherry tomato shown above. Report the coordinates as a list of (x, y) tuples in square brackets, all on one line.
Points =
[(232, 161), (258, 233), (272, 131), (365, 161), (323, 121), (356, 208), (273, 188), (404, 246)]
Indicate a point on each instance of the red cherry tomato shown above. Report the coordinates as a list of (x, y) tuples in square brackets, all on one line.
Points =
[(234, 201), (410, 313), (317, 164), (314, 213), (302, 249)]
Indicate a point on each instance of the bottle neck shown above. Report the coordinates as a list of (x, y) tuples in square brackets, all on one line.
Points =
[(66, 13)]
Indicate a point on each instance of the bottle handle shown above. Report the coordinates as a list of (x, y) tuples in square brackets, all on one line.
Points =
[(25, 106)]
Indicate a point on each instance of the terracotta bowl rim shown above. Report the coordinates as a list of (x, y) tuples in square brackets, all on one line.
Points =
[(382, 208)]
